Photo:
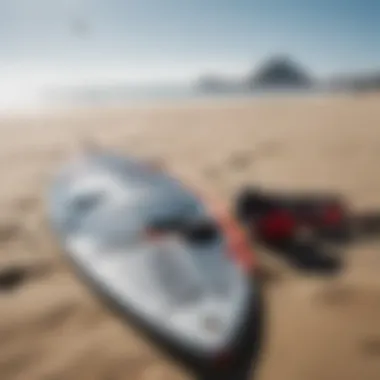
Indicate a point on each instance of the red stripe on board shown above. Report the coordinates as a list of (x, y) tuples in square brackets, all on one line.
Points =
[(239, 247)]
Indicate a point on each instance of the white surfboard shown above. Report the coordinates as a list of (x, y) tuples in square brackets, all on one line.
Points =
[(186, 287)]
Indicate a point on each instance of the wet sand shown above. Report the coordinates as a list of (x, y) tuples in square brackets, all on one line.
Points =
[(51, 327)]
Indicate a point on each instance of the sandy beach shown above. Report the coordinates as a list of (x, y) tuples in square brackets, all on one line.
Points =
[(53, 328)]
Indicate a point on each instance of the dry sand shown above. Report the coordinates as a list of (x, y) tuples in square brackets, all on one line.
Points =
[(52, 328)]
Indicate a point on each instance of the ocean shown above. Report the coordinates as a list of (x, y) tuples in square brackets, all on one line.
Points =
[(41, 99)]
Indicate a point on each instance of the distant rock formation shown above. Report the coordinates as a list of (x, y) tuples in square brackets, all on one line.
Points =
[(280, 72), (277, 73)]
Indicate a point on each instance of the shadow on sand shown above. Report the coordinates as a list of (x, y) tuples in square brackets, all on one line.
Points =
[(309, 257)]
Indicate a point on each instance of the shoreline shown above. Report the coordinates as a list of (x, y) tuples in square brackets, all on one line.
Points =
[(200, 102)]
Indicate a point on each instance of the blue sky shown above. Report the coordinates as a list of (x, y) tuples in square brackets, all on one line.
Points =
[(144, 40)]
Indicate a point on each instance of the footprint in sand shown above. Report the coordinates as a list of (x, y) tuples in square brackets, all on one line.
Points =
[(13, 275), (270, 148), (337, 294), (240, 160), (60, 314), (362, 297), (211, 172), (26, 204), (11, 278), (269, 275), (9, 230), (371, 346)]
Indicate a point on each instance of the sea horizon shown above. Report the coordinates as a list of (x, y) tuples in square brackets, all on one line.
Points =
[(45, 99)]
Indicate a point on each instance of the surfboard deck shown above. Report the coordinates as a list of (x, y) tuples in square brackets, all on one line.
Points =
[(105, 269)]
